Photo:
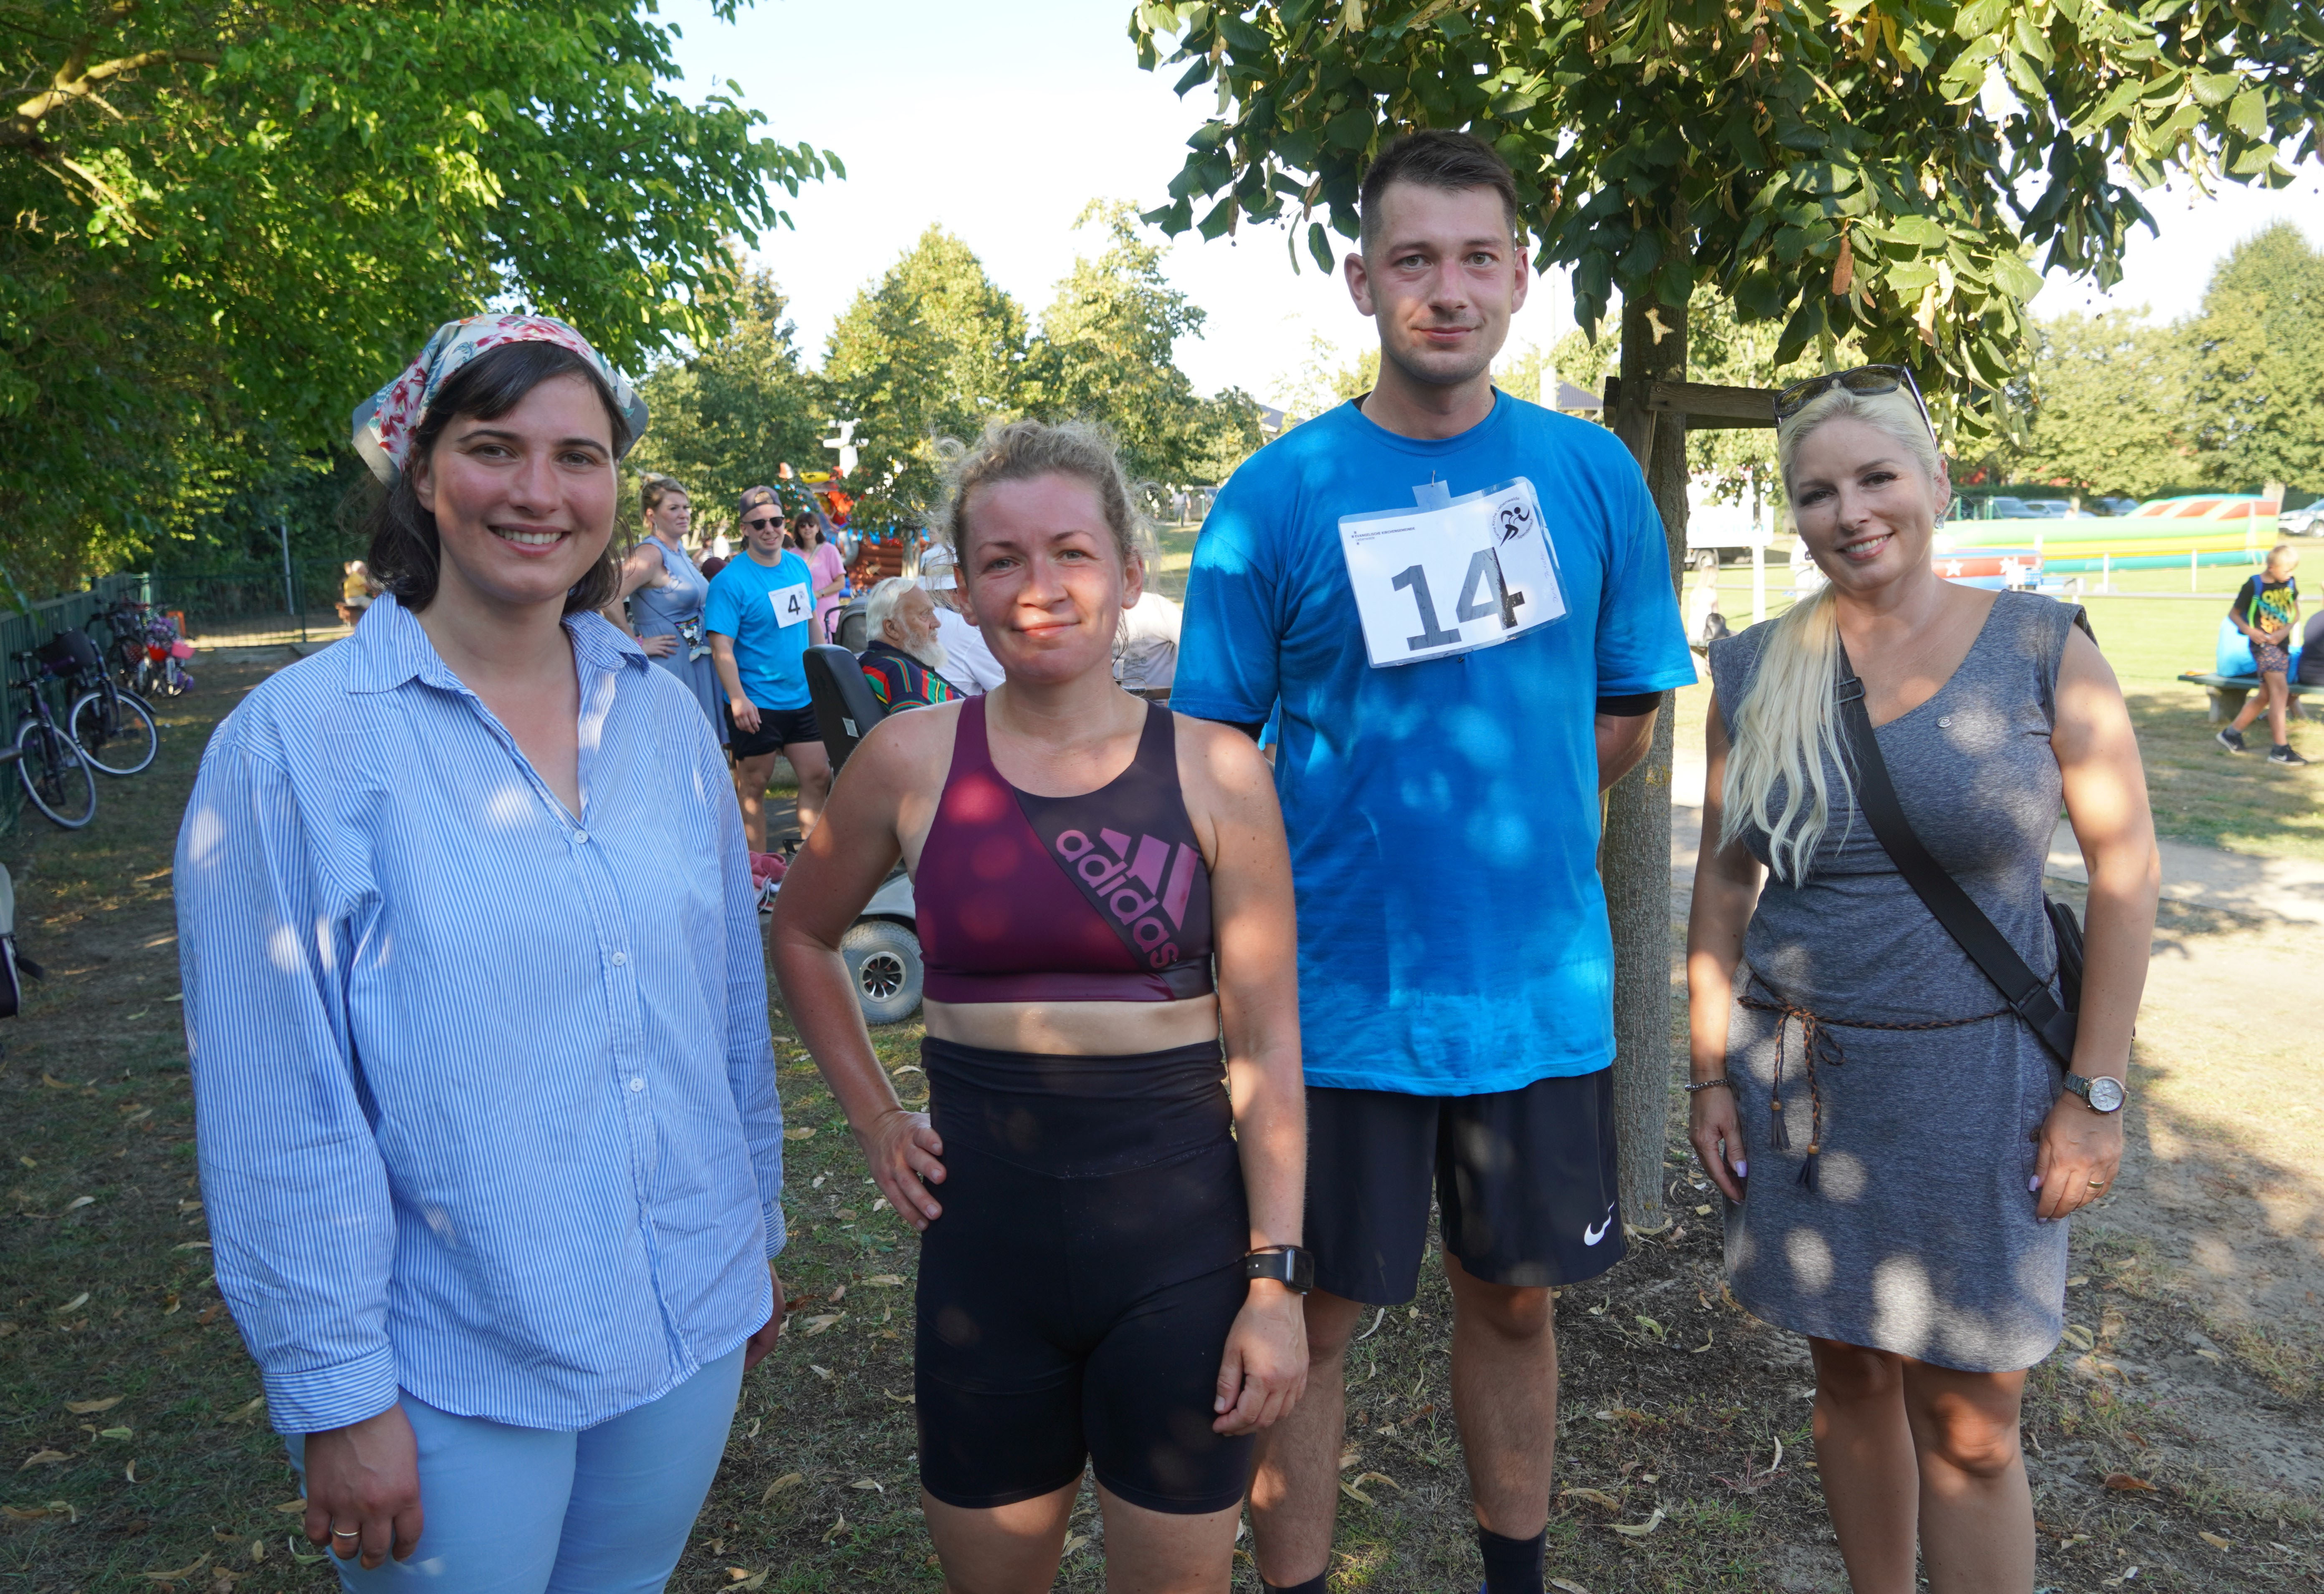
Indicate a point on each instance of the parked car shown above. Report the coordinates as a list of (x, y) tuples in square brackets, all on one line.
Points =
[(2302, 522)]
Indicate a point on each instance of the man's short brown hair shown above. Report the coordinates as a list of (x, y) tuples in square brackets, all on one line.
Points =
[(1435, 158)]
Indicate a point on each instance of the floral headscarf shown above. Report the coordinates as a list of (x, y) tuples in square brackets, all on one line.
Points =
[(384, 423)]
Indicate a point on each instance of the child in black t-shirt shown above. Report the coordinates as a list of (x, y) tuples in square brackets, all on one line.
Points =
[(2265, 609)]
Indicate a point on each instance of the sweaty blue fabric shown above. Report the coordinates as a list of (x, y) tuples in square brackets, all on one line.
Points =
[(767, 654), (1444, 815)]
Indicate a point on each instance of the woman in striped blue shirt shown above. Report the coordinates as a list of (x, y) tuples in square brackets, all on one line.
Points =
[(474, 992)]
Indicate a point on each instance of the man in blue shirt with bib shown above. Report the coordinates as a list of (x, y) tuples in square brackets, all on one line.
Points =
[(1462, 605), (757, 616)]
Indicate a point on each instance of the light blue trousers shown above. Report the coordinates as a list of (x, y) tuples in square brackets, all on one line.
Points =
[(532, 1511)]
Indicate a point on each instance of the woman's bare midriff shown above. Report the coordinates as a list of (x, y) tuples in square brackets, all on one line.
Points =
[(1081, 1029)]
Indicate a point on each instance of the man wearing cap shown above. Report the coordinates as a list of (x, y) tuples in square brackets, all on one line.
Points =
[(757, 616), (972, 669)]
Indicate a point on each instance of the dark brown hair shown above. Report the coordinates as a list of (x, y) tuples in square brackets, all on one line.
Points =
[(1434, 158), (406, 552)]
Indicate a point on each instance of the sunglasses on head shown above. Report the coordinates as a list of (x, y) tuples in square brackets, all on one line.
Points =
[(1867, 379)]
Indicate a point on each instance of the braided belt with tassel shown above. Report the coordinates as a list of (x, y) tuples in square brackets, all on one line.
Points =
[(1816, 1040)]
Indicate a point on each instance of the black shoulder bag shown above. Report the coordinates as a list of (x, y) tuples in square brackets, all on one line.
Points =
[(2025, 991)]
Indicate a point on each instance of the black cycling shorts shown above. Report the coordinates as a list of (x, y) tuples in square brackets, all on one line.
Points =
[(778, 729), (1075, 1295), (1523, 1179)]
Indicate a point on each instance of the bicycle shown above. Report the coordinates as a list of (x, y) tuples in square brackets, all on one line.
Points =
[(113, 729), (54, 771)]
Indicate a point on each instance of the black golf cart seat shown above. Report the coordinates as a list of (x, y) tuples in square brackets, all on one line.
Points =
[(844, 709)]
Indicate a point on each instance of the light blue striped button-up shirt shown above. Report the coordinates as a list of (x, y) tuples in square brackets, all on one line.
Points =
[(484, 1097)]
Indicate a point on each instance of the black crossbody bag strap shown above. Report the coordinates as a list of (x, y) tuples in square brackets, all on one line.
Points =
[(2025, 991)]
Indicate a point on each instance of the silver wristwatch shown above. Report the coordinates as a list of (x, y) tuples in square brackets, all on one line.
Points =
[(2103, 1094)]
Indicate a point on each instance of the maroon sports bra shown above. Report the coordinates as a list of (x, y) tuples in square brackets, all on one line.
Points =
[(1099, 897)]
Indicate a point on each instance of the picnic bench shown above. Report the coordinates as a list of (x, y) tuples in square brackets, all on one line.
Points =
[(2228, 692)]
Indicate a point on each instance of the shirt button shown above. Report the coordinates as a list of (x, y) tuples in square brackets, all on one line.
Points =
[(637, 1084), (620, 958), (580, 835)]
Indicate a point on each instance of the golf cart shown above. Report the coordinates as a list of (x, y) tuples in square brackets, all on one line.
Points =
[(882, 947)]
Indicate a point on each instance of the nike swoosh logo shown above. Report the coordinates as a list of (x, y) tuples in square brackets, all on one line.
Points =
[(1592, 1236)]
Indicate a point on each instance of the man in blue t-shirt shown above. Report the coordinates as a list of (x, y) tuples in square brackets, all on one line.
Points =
[(757, 616), (1461, 605)]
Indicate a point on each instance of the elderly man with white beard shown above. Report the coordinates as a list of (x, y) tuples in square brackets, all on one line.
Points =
[(906, 653), (972, 667)]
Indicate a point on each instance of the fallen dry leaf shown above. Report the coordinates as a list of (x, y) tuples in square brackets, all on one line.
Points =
[(871, 1483), (45, 1458), (82, 1408), (244, 1414), (1075, 1542), (2126, 1483), (847, 1215), (1353, 1493), (186, 1570), (2214, 1540), (755, 1581), (837, 1528), (885, 1281), (1596, 1497), (130, 1472), (2078, 1281), (2078, 1337), (820, 1372), (76, 1204), (118, 1433), (53, 1083), (898, 1399), (1568, 1585), (288, 1507), (817, 1326), (786, 1481), (192, 1244), (1380, 1477), (803, 1132), (37, 1513), (1642, 1529), (78, 1301), (1702, 1212)]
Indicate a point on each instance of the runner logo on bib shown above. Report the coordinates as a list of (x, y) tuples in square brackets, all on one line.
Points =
[(792, 605), (1452, 575)]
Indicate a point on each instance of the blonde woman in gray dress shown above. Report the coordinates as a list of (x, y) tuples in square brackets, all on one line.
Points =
[(1898, 1149)]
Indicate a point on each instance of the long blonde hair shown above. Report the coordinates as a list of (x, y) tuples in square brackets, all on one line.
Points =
[(1787, 726)]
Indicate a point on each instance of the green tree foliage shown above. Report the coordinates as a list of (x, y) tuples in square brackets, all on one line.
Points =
[(226, 222), (928, 353), (1880, 168), (742, 405), (2110, 407), (1105, 353), (2257, 354)]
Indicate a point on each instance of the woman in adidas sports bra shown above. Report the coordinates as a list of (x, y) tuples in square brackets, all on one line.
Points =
[(1109, 1199)]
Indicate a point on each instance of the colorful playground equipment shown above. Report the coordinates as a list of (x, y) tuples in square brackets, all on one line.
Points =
[(2195, 529)]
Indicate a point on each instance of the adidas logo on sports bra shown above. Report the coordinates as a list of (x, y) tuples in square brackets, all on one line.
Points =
[(1132, 885)]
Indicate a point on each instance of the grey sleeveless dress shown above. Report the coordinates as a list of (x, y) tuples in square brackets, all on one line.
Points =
[(677, 609), (1919, 1235)]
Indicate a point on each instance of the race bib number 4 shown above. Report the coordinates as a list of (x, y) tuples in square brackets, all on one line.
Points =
[(1466, 573), (792, 605)]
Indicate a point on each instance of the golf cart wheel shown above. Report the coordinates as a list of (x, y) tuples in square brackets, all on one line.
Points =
[(883, 961)]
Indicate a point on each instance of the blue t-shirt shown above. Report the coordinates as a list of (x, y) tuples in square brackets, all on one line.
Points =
[(759, 607), (1444, 814)]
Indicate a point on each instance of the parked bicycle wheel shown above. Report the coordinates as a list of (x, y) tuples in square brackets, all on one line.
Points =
[(55, 776), (116, 730)]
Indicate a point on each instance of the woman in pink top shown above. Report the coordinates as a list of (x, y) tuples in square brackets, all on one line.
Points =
[(830, 573)]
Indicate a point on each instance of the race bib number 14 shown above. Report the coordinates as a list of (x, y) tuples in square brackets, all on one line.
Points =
[(1467, 573)]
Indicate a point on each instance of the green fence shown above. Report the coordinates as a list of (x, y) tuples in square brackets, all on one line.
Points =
[(252, 607), (23, 629)]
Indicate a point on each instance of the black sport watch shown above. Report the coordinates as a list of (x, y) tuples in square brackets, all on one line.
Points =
[(1288, 1265)]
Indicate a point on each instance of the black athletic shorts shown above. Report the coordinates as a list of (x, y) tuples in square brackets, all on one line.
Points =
[(1524, 1180), (1075, 1296), (777, 728)]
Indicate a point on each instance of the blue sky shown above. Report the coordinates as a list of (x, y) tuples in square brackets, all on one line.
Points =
[(1003, 120)]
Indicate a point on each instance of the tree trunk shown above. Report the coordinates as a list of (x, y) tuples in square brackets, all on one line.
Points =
[(1634, 857)]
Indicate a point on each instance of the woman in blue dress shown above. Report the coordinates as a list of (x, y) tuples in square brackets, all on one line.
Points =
[(665, 591)]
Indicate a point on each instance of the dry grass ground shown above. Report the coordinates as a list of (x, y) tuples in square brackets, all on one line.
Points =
[(1676, 1402)]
